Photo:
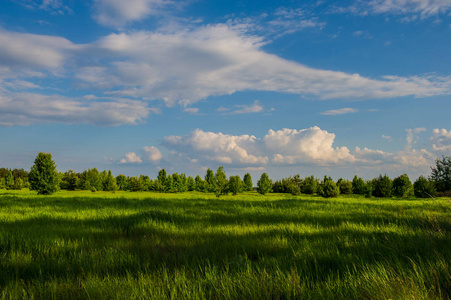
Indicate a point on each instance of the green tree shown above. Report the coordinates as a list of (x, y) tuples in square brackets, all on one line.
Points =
[(43, 175), (69, 181), (109, 183), (424, 188), (122, 182), (199, 184), (18, 184), (9, 181), (402, 186), (358, 186), (191, 184), (210, 183), (310, 185), (345, 186), (382, 186), (441, 174), (161, 180), (328, 188), (247, 180), (264, 184), (236, 185), (134, 184), (222, 184)]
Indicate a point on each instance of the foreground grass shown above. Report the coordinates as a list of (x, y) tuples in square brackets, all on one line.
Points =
[(83, 245)]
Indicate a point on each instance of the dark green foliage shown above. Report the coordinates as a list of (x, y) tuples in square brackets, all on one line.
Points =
[(424, 188), (9, 181), (134, 184), (190, 184), (236, 185), (382, 186), (43, 175), (90, 179), (358, 186), (69, 181), (264, 184), (328, 188), (199, 184), (309, 185), (161, 182), (122, 182), (222, 184), (210, 184), (345, 186), (248, 185), (402, 186), (441, 174)]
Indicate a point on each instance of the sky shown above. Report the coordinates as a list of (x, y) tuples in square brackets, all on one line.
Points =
[(338, 88)]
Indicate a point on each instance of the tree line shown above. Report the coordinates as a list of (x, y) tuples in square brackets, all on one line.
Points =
[(44, 178)]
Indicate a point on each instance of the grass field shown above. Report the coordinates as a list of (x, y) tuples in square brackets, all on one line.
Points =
[(103, 245)]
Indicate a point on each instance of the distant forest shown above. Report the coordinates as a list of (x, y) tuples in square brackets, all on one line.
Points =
[(437, 184)]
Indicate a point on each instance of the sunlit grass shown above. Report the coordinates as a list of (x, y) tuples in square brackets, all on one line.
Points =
[(84, 245)]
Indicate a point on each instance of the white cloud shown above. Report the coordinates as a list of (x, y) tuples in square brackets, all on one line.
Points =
[(191, 110), (184, 67), (441, 140), (31, 50), (312, 145), (117, 13), (340, 111), (29, 108), (218, 147), (152, 153), (130, 158), (415, 8), (387, 137)]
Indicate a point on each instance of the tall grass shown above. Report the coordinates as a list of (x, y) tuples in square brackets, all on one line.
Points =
[(83, 245)]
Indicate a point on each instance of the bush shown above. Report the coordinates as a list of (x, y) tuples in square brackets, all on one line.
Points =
[(402, 186), (358, 186), (382, 186), (424, 188), (345, 186), (328, 188)]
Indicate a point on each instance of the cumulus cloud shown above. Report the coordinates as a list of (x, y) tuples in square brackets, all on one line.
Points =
[(153, 154), (29, 108), (117, 13), (218, 147), (130, 158), (312, 145), (441, 140), (340, 111)]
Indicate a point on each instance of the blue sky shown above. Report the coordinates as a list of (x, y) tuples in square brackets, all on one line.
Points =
[(283, 87)]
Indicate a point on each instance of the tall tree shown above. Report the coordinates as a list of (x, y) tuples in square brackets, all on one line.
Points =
[(264, 185), (210, 183), (221, 186), (235, 185), (43, 175), (248, 185), (441, 174)]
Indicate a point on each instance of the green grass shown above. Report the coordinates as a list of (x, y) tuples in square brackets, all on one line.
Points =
[(84, 245)]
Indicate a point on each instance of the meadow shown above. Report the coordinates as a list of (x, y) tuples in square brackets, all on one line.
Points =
[(144, 245)]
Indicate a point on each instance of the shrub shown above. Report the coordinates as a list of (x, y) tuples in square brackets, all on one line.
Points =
[(382, 186), (328, 188), (345, 186), (424, 188), (358, 186), (402, 186)]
